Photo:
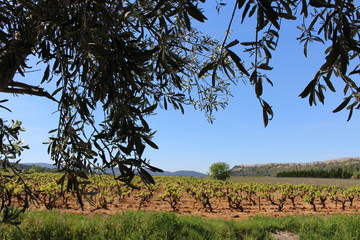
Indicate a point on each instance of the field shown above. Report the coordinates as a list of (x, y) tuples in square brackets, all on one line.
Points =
[(239, 198), (296, 181)]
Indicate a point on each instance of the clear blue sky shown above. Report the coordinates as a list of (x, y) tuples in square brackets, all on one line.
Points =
[(298, 132)]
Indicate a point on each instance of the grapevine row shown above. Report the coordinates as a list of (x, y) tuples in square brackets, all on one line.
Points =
[(103, 192)]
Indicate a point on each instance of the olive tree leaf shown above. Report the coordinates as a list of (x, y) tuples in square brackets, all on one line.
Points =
[(206, 68), (342, 105), (195, 12), (238, 62)]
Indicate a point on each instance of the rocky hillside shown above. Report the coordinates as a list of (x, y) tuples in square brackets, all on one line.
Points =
[(271, 169)]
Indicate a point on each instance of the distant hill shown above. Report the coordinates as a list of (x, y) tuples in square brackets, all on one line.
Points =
[(26, 166), (271, 169), (182, 173), (45, 165), (19, 166)]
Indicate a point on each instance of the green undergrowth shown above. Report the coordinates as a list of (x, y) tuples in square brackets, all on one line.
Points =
[(154, 225)]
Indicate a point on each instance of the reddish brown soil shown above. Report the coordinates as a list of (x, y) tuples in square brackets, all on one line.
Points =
[(221, 210)]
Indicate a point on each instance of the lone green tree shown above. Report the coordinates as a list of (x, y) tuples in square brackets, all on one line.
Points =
[(220, 171)]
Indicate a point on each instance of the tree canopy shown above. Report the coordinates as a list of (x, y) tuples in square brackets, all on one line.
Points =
[(125, 59), (219, 171)]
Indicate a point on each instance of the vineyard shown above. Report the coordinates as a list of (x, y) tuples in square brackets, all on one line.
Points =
[(204, 197)]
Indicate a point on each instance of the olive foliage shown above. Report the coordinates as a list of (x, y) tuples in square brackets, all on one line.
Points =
[(124, 59), (121, 58)]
